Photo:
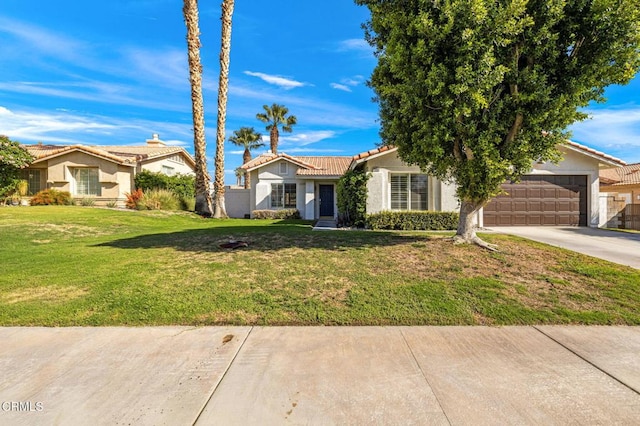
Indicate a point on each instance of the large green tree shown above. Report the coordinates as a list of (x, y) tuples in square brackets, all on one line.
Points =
[(12, 158), (249, 139), (276, 115), (474, 91)]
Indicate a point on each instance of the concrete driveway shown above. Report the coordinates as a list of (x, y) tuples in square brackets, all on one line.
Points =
[(550, 375), (618, 247)]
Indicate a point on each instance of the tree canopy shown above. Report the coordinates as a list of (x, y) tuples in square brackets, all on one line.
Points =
[(276, 115), (474, 91), (12, 158)]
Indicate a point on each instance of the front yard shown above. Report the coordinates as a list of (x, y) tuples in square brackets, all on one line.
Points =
[(62, 266)]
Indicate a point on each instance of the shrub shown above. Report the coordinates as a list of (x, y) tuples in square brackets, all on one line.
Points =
[(181, 185), (112, 204), (133, 198), (413, 220), (276, 214), (352, 198), (49, 197), (187, 203), (158, 199), (88, 202)]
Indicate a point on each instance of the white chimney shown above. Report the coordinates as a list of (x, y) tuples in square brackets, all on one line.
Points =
[(155, 141)]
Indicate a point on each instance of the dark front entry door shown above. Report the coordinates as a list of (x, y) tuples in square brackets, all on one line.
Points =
[(326, 200)]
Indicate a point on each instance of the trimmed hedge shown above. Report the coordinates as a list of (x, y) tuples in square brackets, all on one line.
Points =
[(413, 220), (276, 214), (181, 185)]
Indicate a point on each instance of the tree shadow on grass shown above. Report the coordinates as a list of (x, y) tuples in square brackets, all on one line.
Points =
[(264, 238)]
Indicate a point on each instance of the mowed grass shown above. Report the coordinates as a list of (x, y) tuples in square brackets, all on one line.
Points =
[(63, 266)]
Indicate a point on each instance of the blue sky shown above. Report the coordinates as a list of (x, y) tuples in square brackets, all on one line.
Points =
[(115, 72)]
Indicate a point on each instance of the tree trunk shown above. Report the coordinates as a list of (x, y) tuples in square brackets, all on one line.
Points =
[(466, 233), (273, 138), (245, 159), (220, 210), (203, 195)]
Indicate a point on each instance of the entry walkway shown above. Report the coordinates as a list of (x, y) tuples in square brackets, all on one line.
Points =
[(320, 375), (614, 246)]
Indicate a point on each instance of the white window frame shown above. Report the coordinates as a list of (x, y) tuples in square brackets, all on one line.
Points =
[(168, 170), (282, 195), (283, 168), (408, 194), (92, 188)]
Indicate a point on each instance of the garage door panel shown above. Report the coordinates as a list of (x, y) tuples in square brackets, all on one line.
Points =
[(540, 200)]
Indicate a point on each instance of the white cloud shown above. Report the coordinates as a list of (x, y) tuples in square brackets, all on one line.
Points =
[(347, 83), (342, 87), (355, 45), (308, 138), (70, 128), (277, 80), (614, 131)]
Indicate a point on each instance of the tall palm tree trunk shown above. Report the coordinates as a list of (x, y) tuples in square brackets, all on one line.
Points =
[(274, 135), (223, 88), (203, 195), (246, 157)]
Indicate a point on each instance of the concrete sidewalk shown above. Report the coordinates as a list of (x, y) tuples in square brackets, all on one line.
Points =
[(320, 375)]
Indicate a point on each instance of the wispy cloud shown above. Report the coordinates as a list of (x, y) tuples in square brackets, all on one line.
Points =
[(614, 131), (347, 83), (307, 138), (355, 45), (65, 127), (277, 80), (342, 87)]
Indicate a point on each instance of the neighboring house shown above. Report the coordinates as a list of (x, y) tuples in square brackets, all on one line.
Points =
[(622, 182), (562, 194), (104, 173)]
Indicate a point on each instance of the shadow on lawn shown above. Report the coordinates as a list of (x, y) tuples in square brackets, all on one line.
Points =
[(263, 238)]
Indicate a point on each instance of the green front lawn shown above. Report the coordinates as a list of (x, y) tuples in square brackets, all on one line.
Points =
[(90, 266)]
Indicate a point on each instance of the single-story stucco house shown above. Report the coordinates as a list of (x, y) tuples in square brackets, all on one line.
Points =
[(562, 194), (104, 173)]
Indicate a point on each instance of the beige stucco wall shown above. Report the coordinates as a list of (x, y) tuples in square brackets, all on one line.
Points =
[(115, 179), (155, 165)]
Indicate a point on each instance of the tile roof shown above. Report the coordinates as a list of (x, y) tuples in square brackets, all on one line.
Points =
[(372, 152), (627, 175), (119, 154), (325, 166), (608, 158)]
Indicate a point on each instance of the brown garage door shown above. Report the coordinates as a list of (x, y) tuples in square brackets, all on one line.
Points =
[(539, 201)]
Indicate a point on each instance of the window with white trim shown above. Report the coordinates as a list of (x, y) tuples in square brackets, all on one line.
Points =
[(409, 191), (86, 181), (283, 168), (33, 177), (169, 171), (283, 196)]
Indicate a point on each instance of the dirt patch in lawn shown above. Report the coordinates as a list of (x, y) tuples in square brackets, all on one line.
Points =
[(47, 294)]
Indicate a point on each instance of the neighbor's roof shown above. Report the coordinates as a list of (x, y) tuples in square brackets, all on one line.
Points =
[(307, 166), (127, 155), (601, 156), (627, 175)]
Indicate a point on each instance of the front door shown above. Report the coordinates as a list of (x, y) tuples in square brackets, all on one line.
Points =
[(326, 200)]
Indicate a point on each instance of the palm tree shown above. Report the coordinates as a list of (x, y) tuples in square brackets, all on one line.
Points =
[(203, 195), (274, 116), (239, 171), (248, 138), (223, 88)]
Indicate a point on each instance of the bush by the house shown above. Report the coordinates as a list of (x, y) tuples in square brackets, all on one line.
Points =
[(181, 185), (50, 197), (352, 198), (413, 220), (88, 202), (158, 199), (276, 214), (187, 203), (133, 198)]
